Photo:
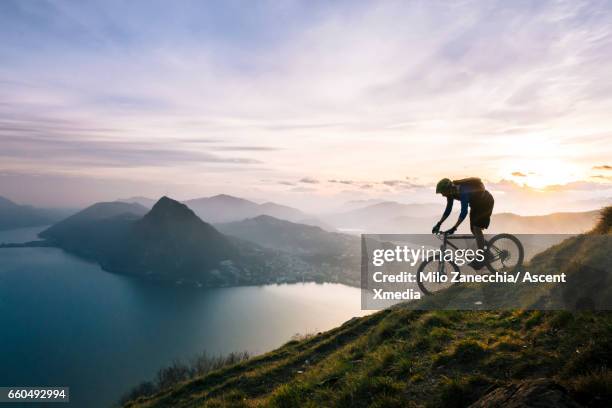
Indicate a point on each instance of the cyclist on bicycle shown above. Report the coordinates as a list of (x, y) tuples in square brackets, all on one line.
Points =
[(471, 193)]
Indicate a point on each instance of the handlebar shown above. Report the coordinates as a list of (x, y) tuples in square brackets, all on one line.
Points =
[(443, 234)]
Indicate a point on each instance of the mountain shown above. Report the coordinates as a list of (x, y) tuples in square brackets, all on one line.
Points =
[(226, 208), (13, 215), (355, 204), (555, 223), (379, 217), (78, 230), (144, 201), (288, 236), (338, 253), (400, 357), (168, 242), (171, 243)]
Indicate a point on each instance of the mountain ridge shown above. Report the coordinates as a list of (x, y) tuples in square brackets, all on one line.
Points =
[(170, 242), (13, 215)]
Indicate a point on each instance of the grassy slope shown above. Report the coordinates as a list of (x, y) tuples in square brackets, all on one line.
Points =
[(402, 357)]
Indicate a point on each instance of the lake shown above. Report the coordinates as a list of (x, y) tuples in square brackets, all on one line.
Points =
[(66, 322)]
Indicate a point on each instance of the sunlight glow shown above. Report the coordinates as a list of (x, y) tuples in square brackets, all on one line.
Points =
[(542, 173)]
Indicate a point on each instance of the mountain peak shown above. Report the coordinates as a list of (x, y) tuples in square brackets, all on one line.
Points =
[(167, 208), (230, 198), (269, 219)]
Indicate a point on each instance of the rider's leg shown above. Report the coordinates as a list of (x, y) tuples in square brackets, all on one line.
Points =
[(480, 242), (477, 231)]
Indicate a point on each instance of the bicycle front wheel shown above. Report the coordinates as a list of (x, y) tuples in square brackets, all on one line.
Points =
[(433, 277), (506, 253)]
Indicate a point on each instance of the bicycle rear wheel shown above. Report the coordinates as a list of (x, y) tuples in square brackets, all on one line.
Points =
[(506, 253), (428, 268)]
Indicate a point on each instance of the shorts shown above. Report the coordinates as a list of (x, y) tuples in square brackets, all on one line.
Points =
[(481, 208)]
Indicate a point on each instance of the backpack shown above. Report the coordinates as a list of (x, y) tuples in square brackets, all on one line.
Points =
[(474, 184)]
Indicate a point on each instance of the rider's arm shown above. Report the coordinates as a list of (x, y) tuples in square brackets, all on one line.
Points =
[(447, 211), (465, 201)]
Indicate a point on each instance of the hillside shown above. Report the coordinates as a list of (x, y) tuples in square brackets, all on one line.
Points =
[(301, 239), (400, 357), (13, 215), (336, 253)]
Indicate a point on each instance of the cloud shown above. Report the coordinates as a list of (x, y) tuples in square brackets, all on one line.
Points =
[(518, 174), (107, 153), (303, 190), (72, 143), (245, 148), (401, 184), (602, 167), (342, 181), (574, 186), (309, 180), (162, 90)]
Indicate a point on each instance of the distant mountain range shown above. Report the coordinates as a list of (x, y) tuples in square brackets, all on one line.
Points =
[(170, 242), (226, 208), (373, 217), (398, 218), (13, 215), (555, 223)]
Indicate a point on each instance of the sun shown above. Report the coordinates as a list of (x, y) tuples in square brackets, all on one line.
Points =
[(541, 173)]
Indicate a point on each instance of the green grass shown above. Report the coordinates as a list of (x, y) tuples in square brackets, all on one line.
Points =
[(401, 357)]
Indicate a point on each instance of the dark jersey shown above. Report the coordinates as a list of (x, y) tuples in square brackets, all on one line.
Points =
[(468, 191)]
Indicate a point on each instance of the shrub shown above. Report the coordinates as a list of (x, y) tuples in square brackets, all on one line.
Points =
[(178, 372)]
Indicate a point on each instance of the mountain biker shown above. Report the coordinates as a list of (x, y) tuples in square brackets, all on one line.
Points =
[(471, 193)]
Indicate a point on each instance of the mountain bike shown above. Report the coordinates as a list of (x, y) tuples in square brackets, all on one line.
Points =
[(504, 253)]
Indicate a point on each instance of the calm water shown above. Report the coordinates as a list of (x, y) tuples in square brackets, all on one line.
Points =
[(65, 322)]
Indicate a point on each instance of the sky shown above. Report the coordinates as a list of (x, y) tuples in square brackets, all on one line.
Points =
[(308, 103)]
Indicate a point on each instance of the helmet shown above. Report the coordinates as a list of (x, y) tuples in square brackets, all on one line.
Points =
[(443, 186)]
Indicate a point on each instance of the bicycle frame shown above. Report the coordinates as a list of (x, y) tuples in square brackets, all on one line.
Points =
[(493, 254), (446, 238)]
